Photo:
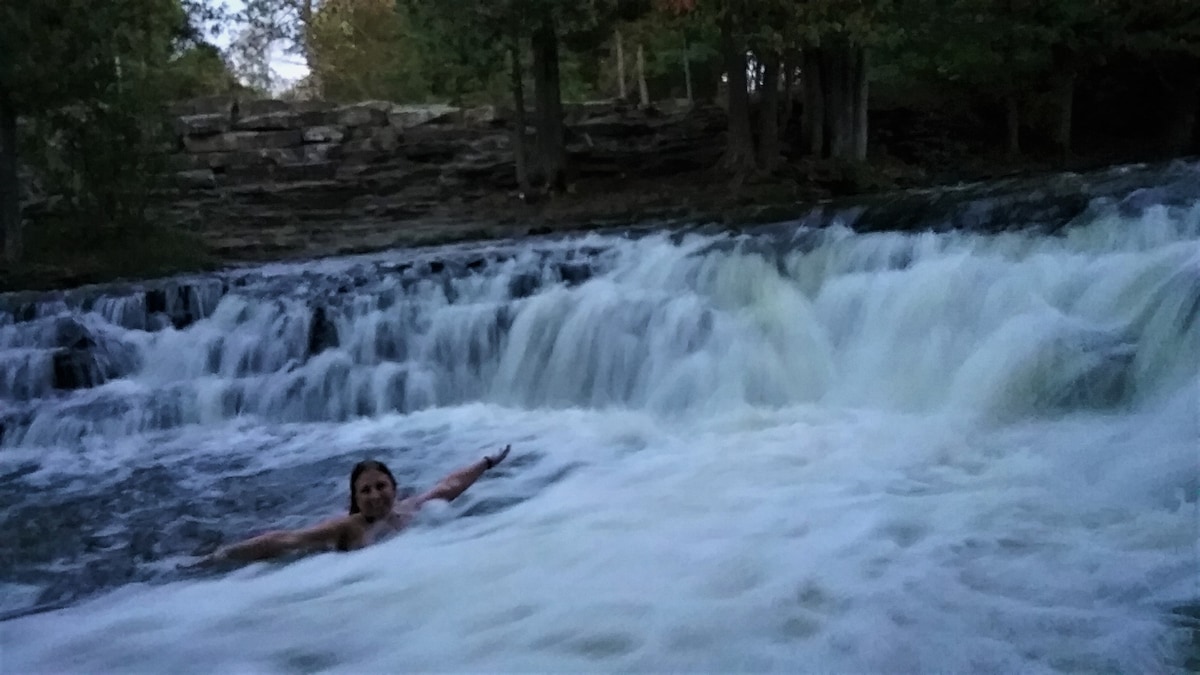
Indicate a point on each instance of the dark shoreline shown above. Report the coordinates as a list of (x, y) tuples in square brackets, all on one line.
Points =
[(912, 202)]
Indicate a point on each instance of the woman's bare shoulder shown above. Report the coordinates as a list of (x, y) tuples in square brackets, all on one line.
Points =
[(335, 527)]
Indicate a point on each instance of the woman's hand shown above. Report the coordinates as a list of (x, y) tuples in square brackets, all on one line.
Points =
[(493, 460), (214, 558)]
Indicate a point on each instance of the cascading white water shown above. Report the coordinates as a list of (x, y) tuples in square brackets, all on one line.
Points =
[(873, 453)]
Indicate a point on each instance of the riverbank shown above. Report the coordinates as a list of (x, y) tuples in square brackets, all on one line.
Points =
[(57, 260)]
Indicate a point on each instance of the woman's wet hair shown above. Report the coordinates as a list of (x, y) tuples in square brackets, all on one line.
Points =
[(366, 465)]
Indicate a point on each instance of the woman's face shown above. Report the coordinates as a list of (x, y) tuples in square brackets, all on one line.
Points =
[(375, 493)]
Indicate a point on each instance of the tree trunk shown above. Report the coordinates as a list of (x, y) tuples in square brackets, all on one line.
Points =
[(621, 90), (307, 12), (1181, 118), (812, 85), (687, 71), (551, 151), (789, 82), (768, 115), (1064, 98), (861, 101), (520, 156), (839, 111), (844, 80), (643, 90), (1012, 114), (10, 189), (739, 148)]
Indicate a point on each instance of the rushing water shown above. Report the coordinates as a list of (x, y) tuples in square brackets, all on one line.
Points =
[(826, 451)]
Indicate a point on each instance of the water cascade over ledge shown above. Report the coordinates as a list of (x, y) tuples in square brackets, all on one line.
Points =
[(865, 451)]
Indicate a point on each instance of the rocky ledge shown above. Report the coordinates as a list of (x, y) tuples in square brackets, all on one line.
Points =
[(267, 177)]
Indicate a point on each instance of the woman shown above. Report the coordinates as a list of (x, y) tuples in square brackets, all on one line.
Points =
[(373, 515)]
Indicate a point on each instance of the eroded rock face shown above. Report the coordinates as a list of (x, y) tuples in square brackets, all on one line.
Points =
[(254, 173)]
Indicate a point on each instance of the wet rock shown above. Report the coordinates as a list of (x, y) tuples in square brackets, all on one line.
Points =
[(74, 363), (523, 285), (71, 334), (174, 303), (25, 312), (322, 332), (74, 369), (574, 273)]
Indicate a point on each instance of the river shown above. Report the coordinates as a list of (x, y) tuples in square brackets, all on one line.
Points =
[(817, 451)]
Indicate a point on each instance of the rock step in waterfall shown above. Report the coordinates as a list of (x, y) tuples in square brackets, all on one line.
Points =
[(397, 332)]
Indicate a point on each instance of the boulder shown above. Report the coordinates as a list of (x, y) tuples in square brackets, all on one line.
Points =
[(324, 134), (206, 124), (322, 152), (74, 369), (270, 116), (408, 116), (378, 139), (271, 121), (480, 116), (322, 332), (368, 113), (196, 179), (234, 141), (306, 172), (80, 362)]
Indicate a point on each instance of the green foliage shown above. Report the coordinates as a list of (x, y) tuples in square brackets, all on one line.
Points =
[(199, 70), (103, 160), (463, 45), (57, 256), (62, 51), (89, 82), (365, 49)]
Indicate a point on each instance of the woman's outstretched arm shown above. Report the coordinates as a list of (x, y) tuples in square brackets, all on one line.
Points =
[(275, 544), (456, 483)]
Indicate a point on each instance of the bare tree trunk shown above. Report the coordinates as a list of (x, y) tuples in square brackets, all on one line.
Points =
[(840, 106), (1064, 96), (643, 90), (1181, 117), (687, 70), (10, 189), (551, 150), (307, 10), (739, 149), (768, 115), (621, 90), (520, 155), (1012, 114), (789, 82), (813, 121), (861, 102)]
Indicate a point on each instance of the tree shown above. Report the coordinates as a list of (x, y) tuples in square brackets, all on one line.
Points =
[(364, 49), (77, 72), (475, 36), (1015, 51), (265, 25), (199, 70)]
